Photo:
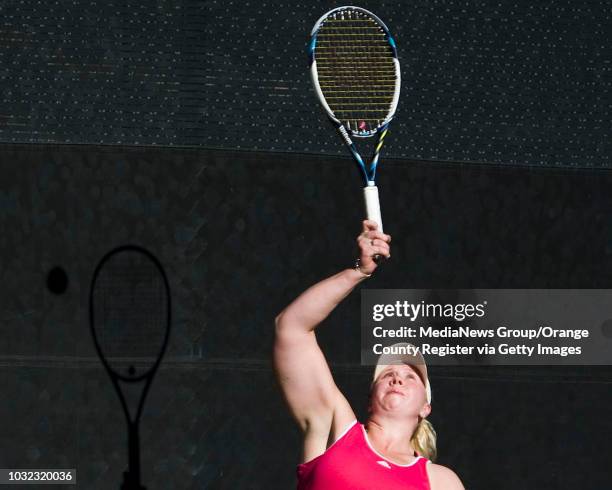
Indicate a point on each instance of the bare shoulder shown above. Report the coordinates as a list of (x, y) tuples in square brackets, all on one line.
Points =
[(443, 478)]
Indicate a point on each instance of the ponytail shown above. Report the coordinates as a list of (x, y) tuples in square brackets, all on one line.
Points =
[(424, 440)]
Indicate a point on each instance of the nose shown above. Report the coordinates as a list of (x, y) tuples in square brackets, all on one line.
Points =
[(395, 379)]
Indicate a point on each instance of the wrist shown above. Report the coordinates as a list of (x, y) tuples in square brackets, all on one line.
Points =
[(359, 268)]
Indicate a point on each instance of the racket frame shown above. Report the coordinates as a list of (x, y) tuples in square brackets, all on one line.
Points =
[(315, 78)]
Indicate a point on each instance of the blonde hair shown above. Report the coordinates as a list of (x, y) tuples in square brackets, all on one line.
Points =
[(424, 440)]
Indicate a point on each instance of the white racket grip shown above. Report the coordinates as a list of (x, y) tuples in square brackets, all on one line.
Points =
[(372, 204)]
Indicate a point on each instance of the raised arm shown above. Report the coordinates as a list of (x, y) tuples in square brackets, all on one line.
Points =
[(303, 373)]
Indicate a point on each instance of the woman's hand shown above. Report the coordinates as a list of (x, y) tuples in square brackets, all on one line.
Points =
[(372, 243)]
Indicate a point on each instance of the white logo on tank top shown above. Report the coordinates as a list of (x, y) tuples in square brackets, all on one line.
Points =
[(384, 463)]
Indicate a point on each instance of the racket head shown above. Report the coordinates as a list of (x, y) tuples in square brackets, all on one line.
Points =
[(130, 312), (355, 70)]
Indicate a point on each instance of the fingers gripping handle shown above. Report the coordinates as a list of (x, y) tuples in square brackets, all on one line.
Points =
[(372, 204)]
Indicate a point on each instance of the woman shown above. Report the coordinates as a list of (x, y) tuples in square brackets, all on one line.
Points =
[(391, 451)]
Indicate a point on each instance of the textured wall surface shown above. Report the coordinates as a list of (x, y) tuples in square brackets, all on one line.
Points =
[(507, 82), (240, 234)]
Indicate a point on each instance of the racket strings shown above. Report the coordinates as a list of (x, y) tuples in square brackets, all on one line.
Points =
[(130, 308), (356, 69)]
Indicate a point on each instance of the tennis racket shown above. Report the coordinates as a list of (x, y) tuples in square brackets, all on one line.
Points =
[(356, 75), (129, 314)]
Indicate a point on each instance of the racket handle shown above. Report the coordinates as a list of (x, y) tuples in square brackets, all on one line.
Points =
[(372, 204)]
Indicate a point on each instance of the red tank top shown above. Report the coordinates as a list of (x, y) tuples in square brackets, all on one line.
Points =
[(351, 463)]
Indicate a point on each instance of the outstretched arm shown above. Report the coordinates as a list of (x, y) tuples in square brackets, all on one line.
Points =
[(303, 373)]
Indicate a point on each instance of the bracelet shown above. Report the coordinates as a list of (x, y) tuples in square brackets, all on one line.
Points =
[(358, 268)]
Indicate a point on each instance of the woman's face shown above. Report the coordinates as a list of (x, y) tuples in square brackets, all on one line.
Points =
[(399, 388)]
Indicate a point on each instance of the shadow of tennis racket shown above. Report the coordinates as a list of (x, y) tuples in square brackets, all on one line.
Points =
[(129, 314)]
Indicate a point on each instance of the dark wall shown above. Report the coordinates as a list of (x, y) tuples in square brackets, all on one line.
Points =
[(240, 234), (510, 82)]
